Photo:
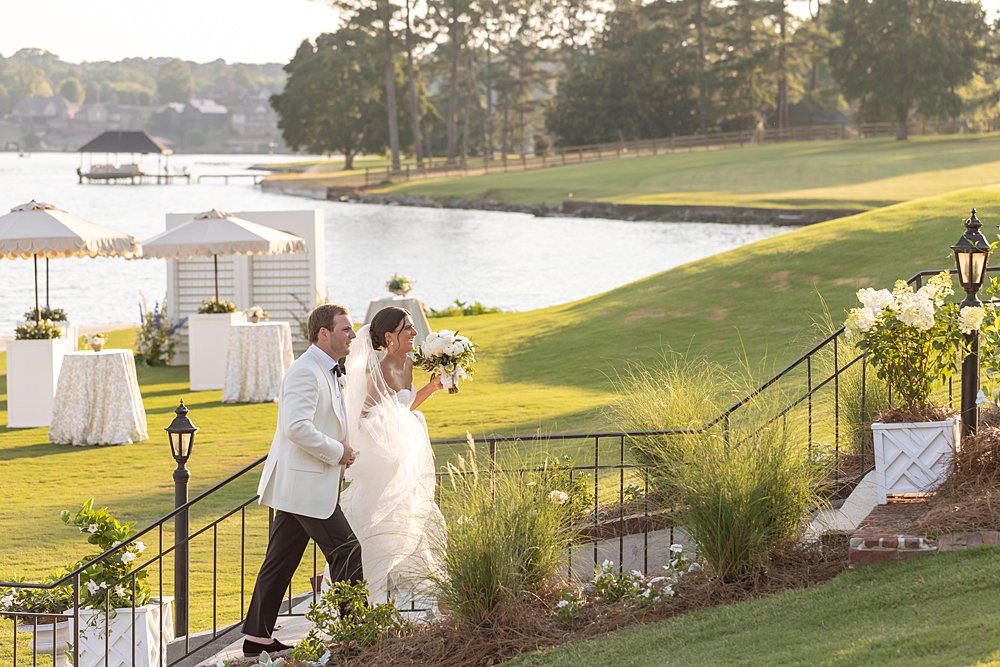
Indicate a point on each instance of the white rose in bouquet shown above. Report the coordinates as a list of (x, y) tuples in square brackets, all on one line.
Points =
[(449, 355)]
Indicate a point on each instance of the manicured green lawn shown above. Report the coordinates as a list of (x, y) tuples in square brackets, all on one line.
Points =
[(542, 371), (936, 610), (823, 174)]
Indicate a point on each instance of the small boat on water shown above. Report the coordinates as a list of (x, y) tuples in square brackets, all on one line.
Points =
[(24, 154)]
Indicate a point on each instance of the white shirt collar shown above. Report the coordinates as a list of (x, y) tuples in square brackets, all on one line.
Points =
[(322, 356)]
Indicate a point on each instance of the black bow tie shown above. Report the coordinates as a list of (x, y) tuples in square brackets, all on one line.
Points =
[(338, 369)]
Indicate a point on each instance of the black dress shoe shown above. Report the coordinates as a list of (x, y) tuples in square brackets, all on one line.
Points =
[(251, 648)]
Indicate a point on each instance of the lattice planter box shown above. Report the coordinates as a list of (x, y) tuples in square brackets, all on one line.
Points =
[(913, 457), (150, 646)]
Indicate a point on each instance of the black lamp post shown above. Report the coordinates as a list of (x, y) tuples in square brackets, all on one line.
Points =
[(971, 252), (181, 433)]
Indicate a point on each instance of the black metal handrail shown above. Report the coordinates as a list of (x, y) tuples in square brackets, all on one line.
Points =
[(596, 468)]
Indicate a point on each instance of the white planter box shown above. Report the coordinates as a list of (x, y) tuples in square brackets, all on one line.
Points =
[(150, 644), (32, 375), (913, 457), (208, 343)]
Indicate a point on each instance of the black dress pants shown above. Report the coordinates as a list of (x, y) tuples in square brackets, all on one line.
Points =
[(290, 533)]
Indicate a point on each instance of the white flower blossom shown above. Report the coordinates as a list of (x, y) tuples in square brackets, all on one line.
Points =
[(637, 573), (668, 590), (970, 318), (916, 311), (676, 548), (558, 497), (875, 300), (562, 603), (92, 587), (860, 319), (92, 528), (128, 557), (694, 567), (139, 546), (6, 601)]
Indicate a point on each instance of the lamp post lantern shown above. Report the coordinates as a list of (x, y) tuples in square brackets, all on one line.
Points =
[(971, 253), (181, 434)]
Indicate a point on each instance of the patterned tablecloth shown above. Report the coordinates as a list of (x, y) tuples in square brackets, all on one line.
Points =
[(97, 400), (258, 356)]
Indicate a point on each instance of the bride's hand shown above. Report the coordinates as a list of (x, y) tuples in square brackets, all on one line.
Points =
[(435, 384)]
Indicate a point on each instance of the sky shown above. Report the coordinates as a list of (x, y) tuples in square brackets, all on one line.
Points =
[(249, 31)]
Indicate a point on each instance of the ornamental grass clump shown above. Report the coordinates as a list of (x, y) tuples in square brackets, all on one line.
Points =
[(912, 338), (742, 491), (507, 534)]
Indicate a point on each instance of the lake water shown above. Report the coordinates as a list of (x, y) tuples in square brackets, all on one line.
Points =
[(510, 260)]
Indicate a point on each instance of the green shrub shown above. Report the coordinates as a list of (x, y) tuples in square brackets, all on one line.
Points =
[(343, 615), (506, 537), (461, 308), (742, 491)]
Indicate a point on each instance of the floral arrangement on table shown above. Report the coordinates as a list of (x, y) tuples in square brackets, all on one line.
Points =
[(96, 341), (399, 284), (154, 339), (256, 313), (110, 582), (912, 337), (447, 353), (43, 330), (50, 314), (212, 307)]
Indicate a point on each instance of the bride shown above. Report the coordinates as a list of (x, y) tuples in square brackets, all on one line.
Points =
[(390, 500)]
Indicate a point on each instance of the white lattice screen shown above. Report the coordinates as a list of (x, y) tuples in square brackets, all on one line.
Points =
[(286, 286)]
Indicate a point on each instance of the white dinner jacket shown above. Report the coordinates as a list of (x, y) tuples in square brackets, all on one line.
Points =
[(302, 473)]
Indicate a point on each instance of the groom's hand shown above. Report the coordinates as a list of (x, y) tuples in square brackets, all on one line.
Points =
[(349, 455)]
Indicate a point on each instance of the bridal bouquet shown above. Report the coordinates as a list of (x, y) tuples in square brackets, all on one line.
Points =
[(449, 354)]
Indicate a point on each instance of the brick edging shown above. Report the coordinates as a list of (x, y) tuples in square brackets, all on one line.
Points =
[(880, 548)]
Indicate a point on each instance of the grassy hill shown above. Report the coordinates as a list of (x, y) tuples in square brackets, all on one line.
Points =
[(546, 370), (937, 610), (822, 174)]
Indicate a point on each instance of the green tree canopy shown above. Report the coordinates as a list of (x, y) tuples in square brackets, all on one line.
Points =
[(634, 87), (334, 98), (72, 90), (174, 82), (898, 56)]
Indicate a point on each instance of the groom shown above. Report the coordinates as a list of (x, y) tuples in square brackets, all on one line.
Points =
[(301, 478)]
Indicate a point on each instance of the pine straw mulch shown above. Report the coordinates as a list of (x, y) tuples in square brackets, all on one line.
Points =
[(918, 413), (969, 499), (532, 626)]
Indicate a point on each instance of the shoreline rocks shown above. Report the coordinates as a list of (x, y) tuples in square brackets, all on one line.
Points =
[(745, 215)]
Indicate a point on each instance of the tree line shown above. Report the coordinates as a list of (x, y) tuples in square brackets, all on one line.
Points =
[(473, 77), (132, 81)]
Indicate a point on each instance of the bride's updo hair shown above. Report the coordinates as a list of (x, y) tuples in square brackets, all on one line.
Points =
[(386, 321)]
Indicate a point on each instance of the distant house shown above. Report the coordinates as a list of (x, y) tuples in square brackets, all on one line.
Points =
[(44, 113), (93, 118), (176, 118)]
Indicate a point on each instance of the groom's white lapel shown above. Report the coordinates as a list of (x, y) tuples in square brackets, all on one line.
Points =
[(322, 361)]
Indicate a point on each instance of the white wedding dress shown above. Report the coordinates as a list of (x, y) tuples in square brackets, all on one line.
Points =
[(390, 499)]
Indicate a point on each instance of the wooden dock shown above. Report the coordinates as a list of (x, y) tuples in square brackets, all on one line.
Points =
[(143, 178)]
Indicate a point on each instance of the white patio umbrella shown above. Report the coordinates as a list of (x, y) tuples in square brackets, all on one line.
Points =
[(215, 233), (37, 229)]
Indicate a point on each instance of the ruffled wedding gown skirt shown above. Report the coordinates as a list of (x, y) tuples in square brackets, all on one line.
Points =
[(390, 505)]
